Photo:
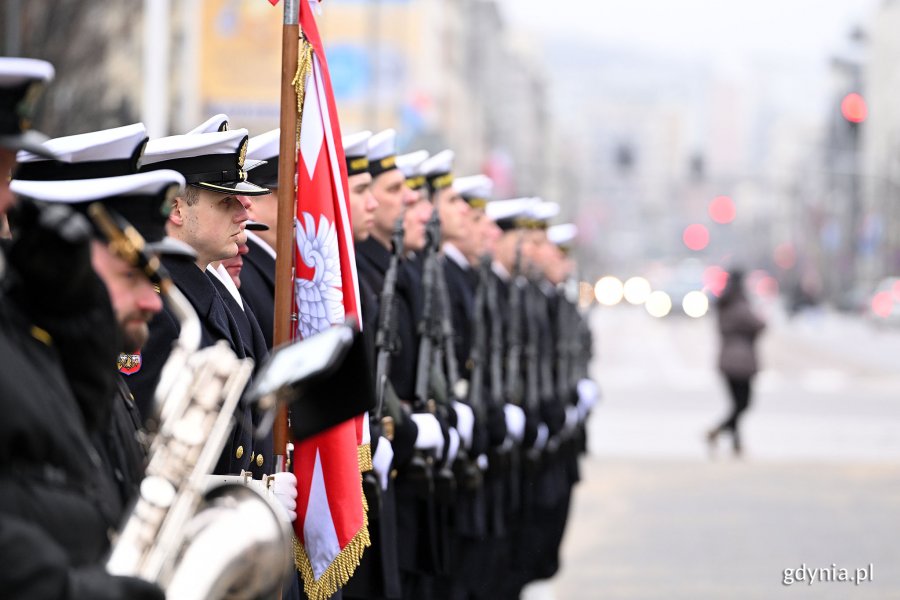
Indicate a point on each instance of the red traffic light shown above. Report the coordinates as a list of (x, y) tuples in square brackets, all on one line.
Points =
[(695, 237), (721, 209), (853, 108)]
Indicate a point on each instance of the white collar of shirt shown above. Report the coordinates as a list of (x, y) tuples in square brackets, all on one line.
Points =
[(265, 246), (500, 271), (221, 273), (454, 254)]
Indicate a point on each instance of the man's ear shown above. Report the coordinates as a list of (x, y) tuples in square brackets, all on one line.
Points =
[(176, 215)]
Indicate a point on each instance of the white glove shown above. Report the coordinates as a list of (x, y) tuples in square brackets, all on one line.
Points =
[(482, 462), (588, 394), (453, 446), (515, 421), (284, 488), (465, 422), (381, 461), (429, 436), (543, 434), (572, 418)]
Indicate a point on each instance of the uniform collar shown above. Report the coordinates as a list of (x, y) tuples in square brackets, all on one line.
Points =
[(263, 244), (456, 255)]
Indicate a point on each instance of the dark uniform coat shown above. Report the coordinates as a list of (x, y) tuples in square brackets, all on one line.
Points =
[(56, 503), (120, 446), (254, 343), (378, 573), (258, 287), (417, 551), (217, 323)]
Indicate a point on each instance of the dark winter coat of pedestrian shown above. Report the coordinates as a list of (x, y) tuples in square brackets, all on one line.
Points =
[(739, 328)]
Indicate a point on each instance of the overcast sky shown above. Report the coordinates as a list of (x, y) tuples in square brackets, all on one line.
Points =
[(720, 30)]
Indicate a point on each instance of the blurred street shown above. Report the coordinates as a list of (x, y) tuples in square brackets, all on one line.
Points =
[(655, 517)]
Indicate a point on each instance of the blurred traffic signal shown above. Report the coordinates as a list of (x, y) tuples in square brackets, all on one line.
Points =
[(853, 108)]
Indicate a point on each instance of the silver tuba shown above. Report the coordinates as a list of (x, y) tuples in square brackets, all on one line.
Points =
[(190, 539)]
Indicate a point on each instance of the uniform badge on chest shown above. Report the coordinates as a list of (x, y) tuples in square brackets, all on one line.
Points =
[(129, 364)]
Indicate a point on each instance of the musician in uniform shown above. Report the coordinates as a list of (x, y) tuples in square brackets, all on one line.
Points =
[(103, 154), (56, 502)]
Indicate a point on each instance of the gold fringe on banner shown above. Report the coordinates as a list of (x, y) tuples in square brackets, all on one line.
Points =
[(364, 453), (341, 568), (304, 68)]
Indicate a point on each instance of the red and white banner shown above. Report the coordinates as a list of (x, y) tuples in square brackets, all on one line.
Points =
[(331, 525)]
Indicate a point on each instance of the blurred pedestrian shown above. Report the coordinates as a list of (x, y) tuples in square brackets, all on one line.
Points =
[(739, 328)]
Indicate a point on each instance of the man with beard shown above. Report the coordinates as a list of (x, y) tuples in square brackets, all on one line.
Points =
[(57, 503), (98, 156)]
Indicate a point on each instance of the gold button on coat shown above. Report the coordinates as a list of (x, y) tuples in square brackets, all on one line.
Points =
[(239, 452), (259, 460)]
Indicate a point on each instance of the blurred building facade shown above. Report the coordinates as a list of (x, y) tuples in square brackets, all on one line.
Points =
[(880, 147), (444, 73)]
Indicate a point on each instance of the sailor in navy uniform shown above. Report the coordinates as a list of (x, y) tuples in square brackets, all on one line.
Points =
[(415, 515), (258, 272), (209, 217)]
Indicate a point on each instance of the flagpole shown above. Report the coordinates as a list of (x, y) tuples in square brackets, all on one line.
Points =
[(287, 195)]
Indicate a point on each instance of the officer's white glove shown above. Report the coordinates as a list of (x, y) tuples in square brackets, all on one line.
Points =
[(515, 421), (588, 394), (453, 446), (381, 461), (284, 488), (543, 434), (429, 436), (465, 422), (482, 462), (572, 418)]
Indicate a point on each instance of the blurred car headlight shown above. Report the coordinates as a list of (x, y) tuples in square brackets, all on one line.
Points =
[(658, 304), (695, 304)]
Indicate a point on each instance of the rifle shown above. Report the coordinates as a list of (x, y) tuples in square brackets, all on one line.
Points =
[(465, 470), (385, 344), (386, 400), (432, 392), (514, 339), (422, 469), (499, 457), (532, 361)]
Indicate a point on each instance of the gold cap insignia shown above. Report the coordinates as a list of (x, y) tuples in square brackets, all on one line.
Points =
[(242, 155)]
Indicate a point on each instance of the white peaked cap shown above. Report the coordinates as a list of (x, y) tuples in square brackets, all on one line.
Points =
[(356, 144), (509, 209), (213, 124), (409, 163), (265, 146), (440, 163), (543, 210), (478, 186), (562, 234), (87, 190), (382, 145), (191, 145), (16, 71), (109, 144)]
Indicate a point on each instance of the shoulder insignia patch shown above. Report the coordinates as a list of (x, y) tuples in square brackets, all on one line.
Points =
[(129, 364)]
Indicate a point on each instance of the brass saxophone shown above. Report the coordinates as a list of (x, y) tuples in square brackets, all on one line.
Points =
[(190, 539)]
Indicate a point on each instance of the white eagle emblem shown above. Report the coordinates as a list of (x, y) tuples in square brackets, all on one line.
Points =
[(320, 300)]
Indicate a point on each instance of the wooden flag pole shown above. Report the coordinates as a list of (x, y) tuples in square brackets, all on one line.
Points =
[(287, 196)]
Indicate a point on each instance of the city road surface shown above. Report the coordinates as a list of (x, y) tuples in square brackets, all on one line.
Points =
[(656, 516)]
